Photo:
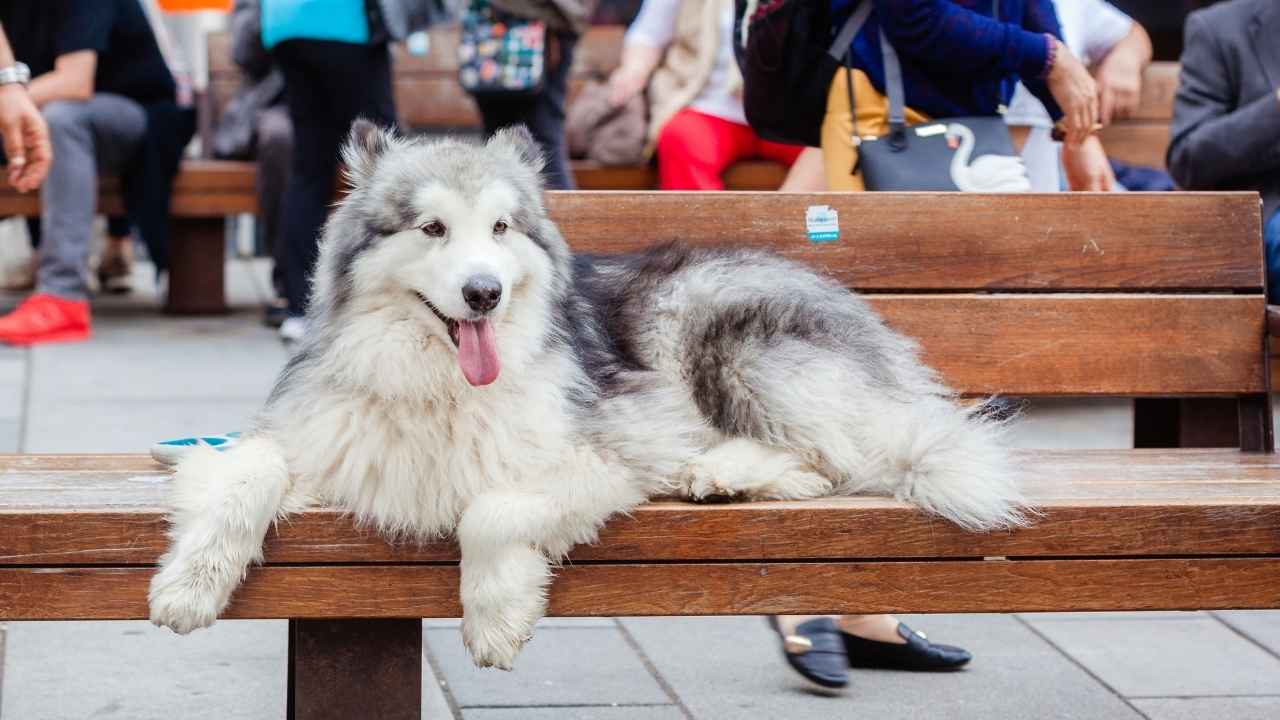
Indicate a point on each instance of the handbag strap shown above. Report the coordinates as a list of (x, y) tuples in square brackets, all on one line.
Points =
[(892, 70)]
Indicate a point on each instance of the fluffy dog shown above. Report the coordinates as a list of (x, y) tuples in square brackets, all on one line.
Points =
[(465, 373)]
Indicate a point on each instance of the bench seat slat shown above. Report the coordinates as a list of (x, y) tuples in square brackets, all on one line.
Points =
[(1094, 504), (737, 588), (894, 241)]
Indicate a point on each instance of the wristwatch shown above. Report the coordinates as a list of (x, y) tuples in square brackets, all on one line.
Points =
[(16, 73)]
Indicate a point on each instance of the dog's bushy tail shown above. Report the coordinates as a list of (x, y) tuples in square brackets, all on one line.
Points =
[(951, 460)]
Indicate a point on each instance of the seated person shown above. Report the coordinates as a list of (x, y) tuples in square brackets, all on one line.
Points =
[(683, 52), (1226, 116), (103, 87), (1117, 49)]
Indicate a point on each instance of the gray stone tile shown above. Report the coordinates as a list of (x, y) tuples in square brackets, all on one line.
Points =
[(592, 712), (113, 425), (1115, 615), (1074, 424), (729, 668), (1236, 708), (10, 435), (434, 704), (551, 622), (1263, 626), (54, 671), (1167, 658), (156, 357), (560, 666)]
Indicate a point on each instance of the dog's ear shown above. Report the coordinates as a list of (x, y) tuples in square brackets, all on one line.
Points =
[(365, 144), (517, 141)]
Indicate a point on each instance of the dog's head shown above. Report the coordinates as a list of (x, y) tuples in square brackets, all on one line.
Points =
[(452, 233)]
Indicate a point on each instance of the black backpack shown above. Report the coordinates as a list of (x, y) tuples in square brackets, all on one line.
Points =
[(786, 68)]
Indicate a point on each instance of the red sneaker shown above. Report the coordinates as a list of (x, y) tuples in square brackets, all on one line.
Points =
[(44, 318)]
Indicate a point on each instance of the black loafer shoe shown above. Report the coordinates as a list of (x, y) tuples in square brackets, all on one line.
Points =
[(918, 654), (816, 651)]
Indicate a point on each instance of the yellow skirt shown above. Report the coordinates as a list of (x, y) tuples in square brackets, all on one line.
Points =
[(838, 152)]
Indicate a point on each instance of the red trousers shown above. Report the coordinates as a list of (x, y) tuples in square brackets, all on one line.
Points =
[(695, 149)]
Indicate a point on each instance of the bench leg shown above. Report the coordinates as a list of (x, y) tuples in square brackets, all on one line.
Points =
[(197, 266), (1256, 431), (344, 669)]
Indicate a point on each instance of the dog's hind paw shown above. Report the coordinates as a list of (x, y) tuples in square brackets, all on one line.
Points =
[(177, 605)]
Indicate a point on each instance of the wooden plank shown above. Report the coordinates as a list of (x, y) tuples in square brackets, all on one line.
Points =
[(1137, 143), (738, 588), (1096, 503), (325, 656), (1159, 88), (952, 241), (1086, 345)]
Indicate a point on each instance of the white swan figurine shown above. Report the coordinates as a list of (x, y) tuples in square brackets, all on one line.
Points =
[(989, 173)]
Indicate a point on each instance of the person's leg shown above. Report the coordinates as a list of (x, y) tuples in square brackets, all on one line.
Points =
[(543, 114), (1271, 238), (806, 173), (275, 152), (327, 85), (100, 134), (695, 148), (115, 267)]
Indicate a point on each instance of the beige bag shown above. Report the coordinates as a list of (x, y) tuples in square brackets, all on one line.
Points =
[(599, 132)]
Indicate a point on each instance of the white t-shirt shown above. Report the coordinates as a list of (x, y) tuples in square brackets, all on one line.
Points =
[(655, 26), (1090, 28)]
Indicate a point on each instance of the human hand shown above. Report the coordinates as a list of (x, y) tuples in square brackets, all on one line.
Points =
[(1076, 92), (1087, 167), (26, 139), (625, 83), (1119, 78)]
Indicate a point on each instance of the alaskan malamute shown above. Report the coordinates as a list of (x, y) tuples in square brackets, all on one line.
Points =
[(465, 373)]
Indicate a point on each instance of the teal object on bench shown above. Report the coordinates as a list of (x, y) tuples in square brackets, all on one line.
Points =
[(170, 452)]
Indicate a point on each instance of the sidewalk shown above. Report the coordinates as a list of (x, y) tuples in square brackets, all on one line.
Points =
[(145, 376)]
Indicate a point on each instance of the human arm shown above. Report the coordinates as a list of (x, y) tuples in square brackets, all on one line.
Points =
[(1087, 167), (945, 35), (246, 38), (1213, 139), (26, 138), (1119, 75), (646, 41), (70, 79)]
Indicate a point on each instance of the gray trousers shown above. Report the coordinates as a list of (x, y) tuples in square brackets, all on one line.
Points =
[(99, 135)]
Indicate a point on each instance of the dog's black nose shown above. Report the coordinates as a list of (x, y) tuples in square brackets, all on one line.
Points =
[(482, 292)]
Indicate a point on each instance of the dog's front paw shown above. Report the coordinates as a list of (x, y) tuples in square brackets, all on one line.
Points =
[(177, 603), (494, 641)]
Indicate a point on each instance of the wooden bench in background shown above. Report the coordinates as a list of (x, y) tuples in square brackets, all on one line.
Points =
[(1138, 295)]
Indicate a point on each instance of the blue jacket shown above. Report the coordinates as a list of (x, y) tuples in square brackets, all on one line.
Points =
[(956, 58)]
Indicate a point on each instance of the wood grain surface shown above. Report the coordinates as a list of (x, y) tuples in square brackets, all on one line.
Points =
[(734, 588), (952, 241), (59, 511)]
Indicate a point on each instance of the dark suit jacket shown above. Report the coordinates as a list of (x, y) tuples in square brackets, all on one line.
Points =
[(1226, 119)]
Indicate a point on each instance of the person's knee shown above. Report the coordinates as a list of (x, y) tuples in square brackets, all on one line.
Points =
[(63, 116)]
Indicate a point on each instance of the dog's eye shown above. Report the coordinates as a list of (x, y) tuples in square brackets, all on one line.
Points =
[(435, 228), (499, 228)]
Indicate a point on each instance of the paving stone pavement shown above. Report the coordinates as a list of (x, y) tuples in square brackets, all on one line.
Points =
[(145, 376)]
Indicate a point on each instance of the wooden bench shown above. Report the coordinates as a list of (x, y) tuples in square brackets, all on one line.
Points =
[(429, 99), (1144, 138), (1063, 295)]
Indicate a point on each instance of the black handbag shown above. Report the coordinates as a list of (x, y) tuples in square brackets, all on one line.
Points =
[(970, 154), (787, 69)]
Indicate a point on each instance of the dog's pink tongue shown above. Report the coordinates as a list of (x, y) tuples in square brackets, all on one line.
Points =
[(478, 352)]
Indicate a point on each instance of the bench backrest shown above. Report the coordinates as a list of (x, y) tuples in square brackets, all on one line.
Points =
[(1028, 295), (1144, 138)]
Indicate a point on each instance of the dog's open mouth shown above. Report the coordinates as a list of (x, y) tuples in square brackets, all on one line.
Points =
[(476, 342)]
